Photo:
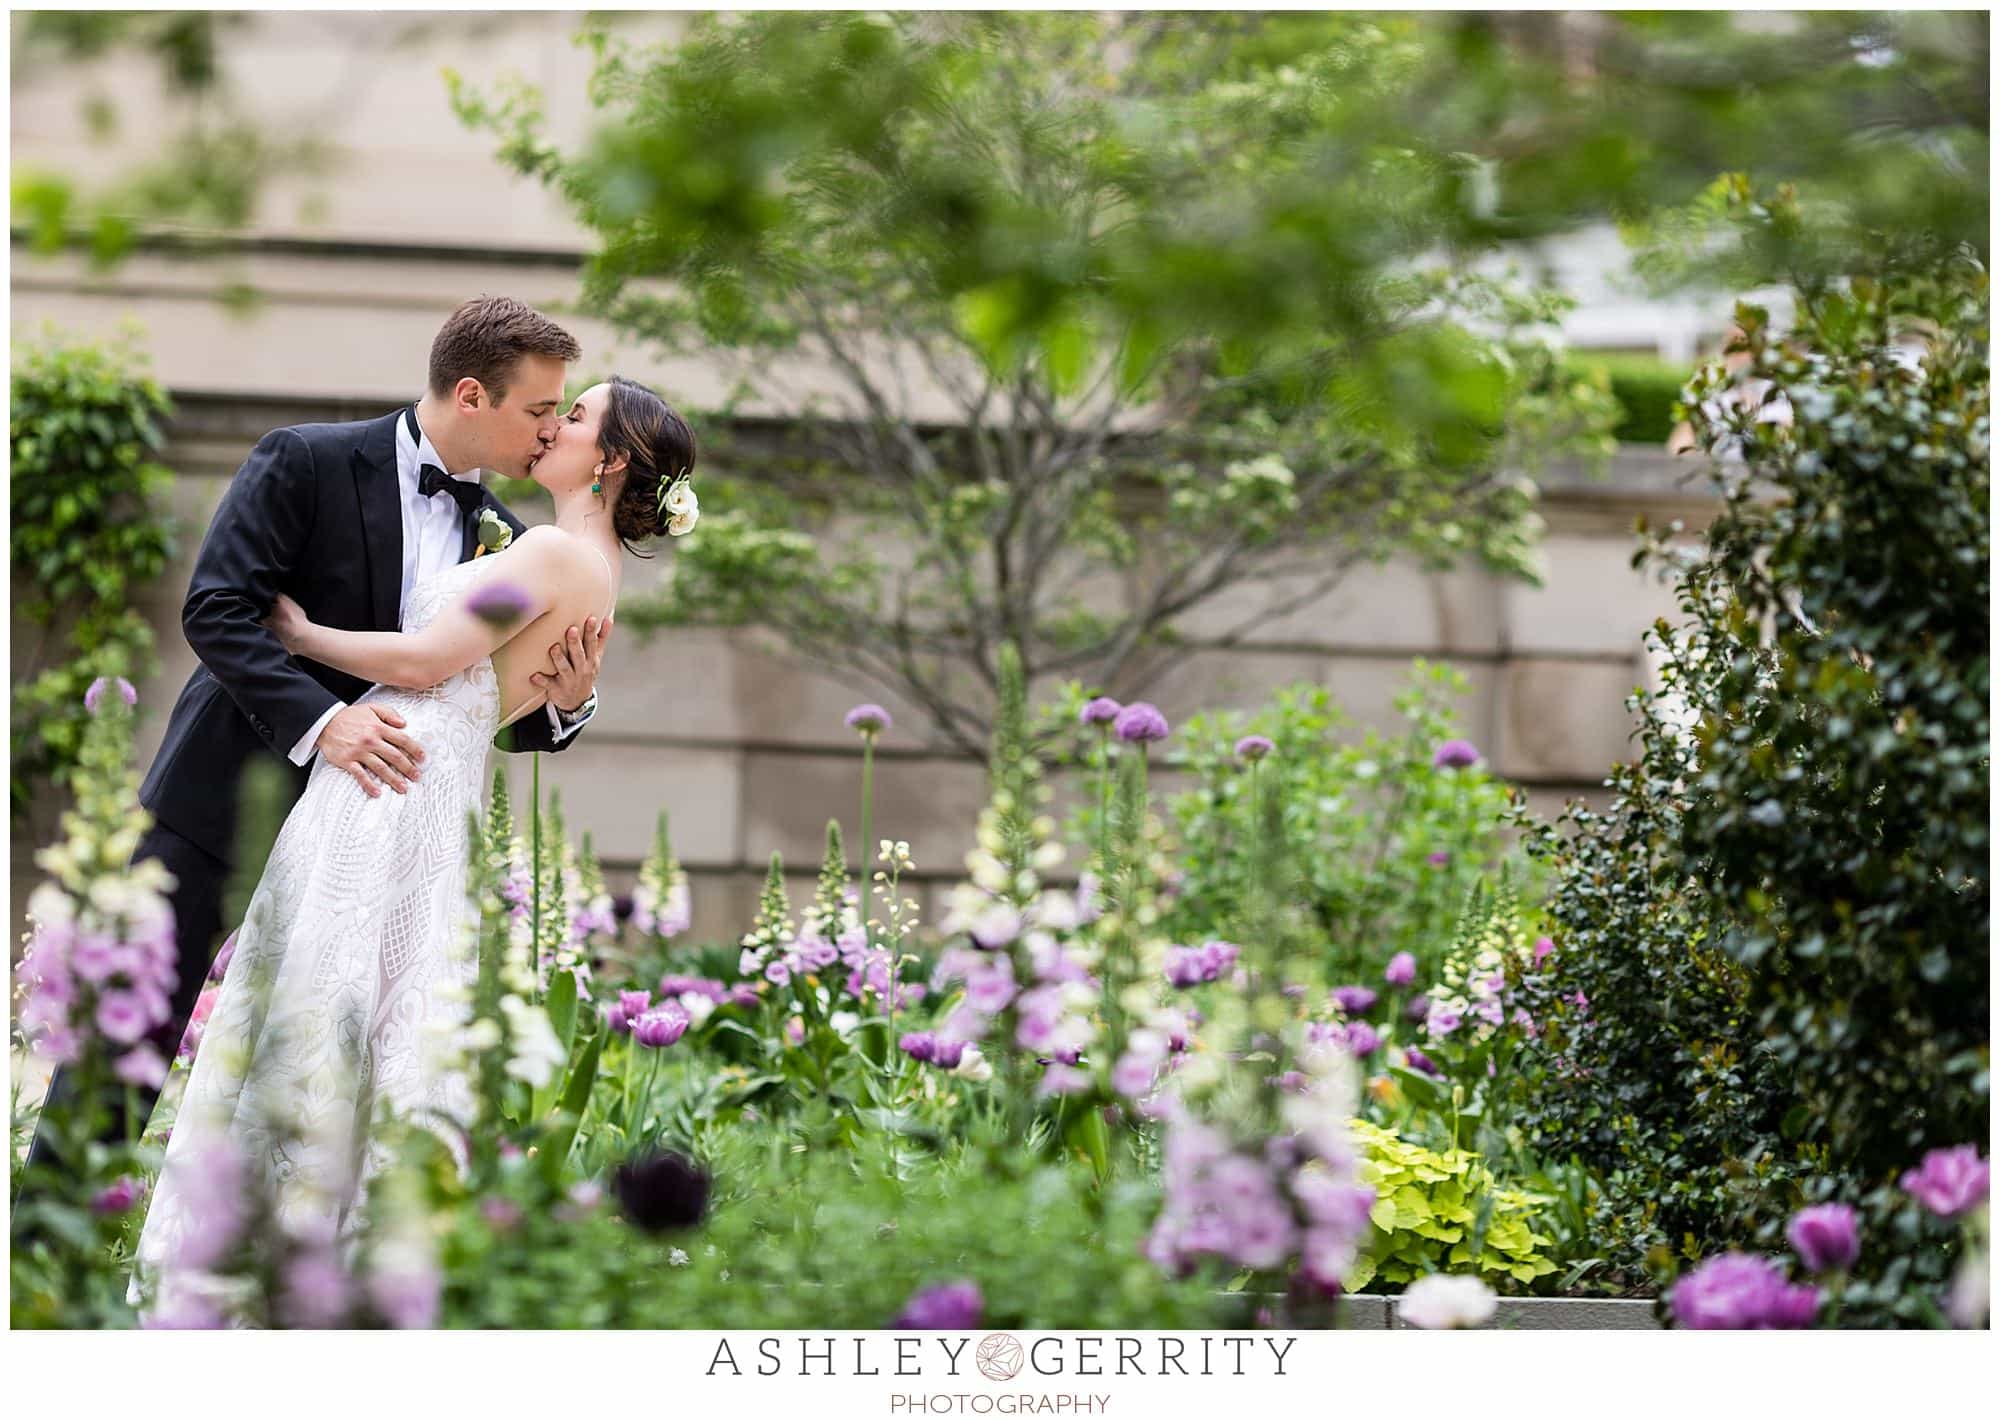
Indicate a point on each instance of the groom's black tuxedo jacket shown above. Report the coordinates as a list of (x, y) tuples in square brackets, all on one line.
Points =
[(316, 513)]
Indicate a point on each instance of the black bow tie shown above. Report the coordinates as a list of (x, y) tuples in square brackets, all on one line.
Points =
[(432, 480)]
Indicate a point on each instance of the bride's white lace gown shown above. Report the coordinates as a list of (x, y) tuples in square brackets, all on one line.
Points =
[(351, 963)]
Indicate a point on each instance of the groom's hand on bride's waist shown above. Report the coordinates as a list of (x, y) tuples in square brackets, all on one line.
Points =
[(574, 663), (371, 743)]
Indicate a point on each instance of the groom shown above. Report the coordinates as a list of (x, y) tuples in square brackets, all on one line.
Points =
[(344, 519)]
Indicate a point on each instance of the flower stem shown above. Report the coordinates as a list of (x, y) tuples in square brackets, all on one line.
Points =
[(867, 829), (535, 874)]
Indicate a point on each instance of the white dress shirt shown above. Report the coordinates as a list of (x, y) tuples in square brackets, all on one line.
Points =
[(432, 537)]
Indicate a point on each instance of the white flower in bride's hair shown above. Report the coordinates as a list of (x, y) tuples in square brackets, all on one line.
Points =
[(679, 506)]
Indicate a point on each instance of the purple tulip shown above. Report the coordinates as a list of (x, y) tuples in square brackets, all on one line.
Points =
[(949, 1053), (92, 696), (1737, 1292), (634, 1004), (1253, 747), (1353, 999), (1950, 1181), (1455, 754), (869, 719), (951, 1306), (661, 1026), (919, 1045), (1140, 723), (1827, 1237), (1401, 970), (498, 603), (1101, 711)]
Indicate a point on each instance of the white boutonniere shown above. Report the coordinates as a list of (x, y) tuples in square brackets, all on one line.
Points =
[(678, 506), (494, 534)]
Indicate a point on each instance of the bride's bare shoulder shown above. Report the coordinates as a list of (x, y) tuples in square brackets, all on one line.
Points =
[(563, 553)]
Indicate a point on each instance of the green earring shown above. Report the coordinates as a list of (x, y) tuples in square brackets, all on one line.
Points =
[(597, 481)]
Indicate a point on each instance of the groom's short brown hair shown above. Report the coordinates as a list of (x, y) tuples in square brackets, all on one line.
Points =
[(487, 336)]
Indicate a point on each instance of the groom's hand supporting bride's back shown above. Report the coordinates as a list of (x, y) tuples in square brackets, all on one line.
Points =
[(370, 743)]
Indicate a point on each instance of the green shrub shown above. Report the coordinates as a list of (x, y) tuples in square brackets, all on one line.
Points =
[(1443, 1211), (1648, 391), (84, 435)]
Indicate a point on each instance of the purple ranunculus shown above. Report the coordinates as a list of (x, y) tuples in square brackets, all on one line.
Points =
[(950, 1306), (661, 1026), (1455, 754), (95, 694), (1101, 711), (1362, 1040), (1738, 1292), (919, 1045), (498, 603), (1401, 970), (1353, 999), (869, 719), (1950, 1181), (1140, 723), (1417, 1060), (1253, 747), (1827, 1237)]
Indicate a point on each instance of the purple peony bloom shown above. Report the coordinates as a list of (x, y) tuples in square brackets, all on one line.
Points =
[(1455, 754), (950, 1306), (498, 603), (1738, 1292), (1353, 999), (95, 694), (1253, 747), (869, 719), (1827, 1237), (1140, 723), (1101, 711), (1950, 1181), (1401, 970)]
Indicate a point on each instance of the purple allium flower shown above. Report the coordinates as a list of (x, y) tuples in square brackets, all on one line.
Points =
[(1950, 1181), (1738, 1292), (498, 603), (1455, 754), (869, 719), (1101, 711), (661, 1192), (1362, 1040), (1353, 999), (661, 1026), (1253, 747), (122, 1016), (1140, 723), (919, 1045), (1417, 1060), (120, 1196), (949, 1306), (1401, 970), (1437, 859), (92, 696), (1826, 1237), (1543, 947)]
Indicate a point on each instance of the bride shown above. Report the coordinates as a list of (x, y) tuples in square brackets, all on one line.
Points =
[(353, 947)]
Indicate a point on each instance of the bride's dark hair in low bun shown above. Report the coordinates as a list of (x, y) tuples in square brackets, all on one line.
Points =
[(657, 443)]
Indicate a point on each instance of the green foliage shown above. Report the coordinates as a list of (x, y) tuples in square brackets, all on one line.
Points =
[(1443, 1211), (1364, 817), (1648, 391), (84, 436)]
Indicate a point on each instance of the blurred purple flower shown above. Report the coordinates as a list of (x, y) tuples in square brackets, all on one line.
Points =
[(141, 1066), (1101, 711), (635, 1004), (1140, 723), (778, 974), (122, 1016), (1253, 747), (1738, 1292), (1455, 754), (406, 1295), (120, 1196), (1950, 1181), (869, 719), (661, 1026), (1353, 999), (1544, 946), (1826, 1237), (949, 1306), (1362, 1040), (92, 696), (317, 1291), (498, 603), (1417, 1060), (220, 967), (919, 1045), (1437, 859), (1401, 970)]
